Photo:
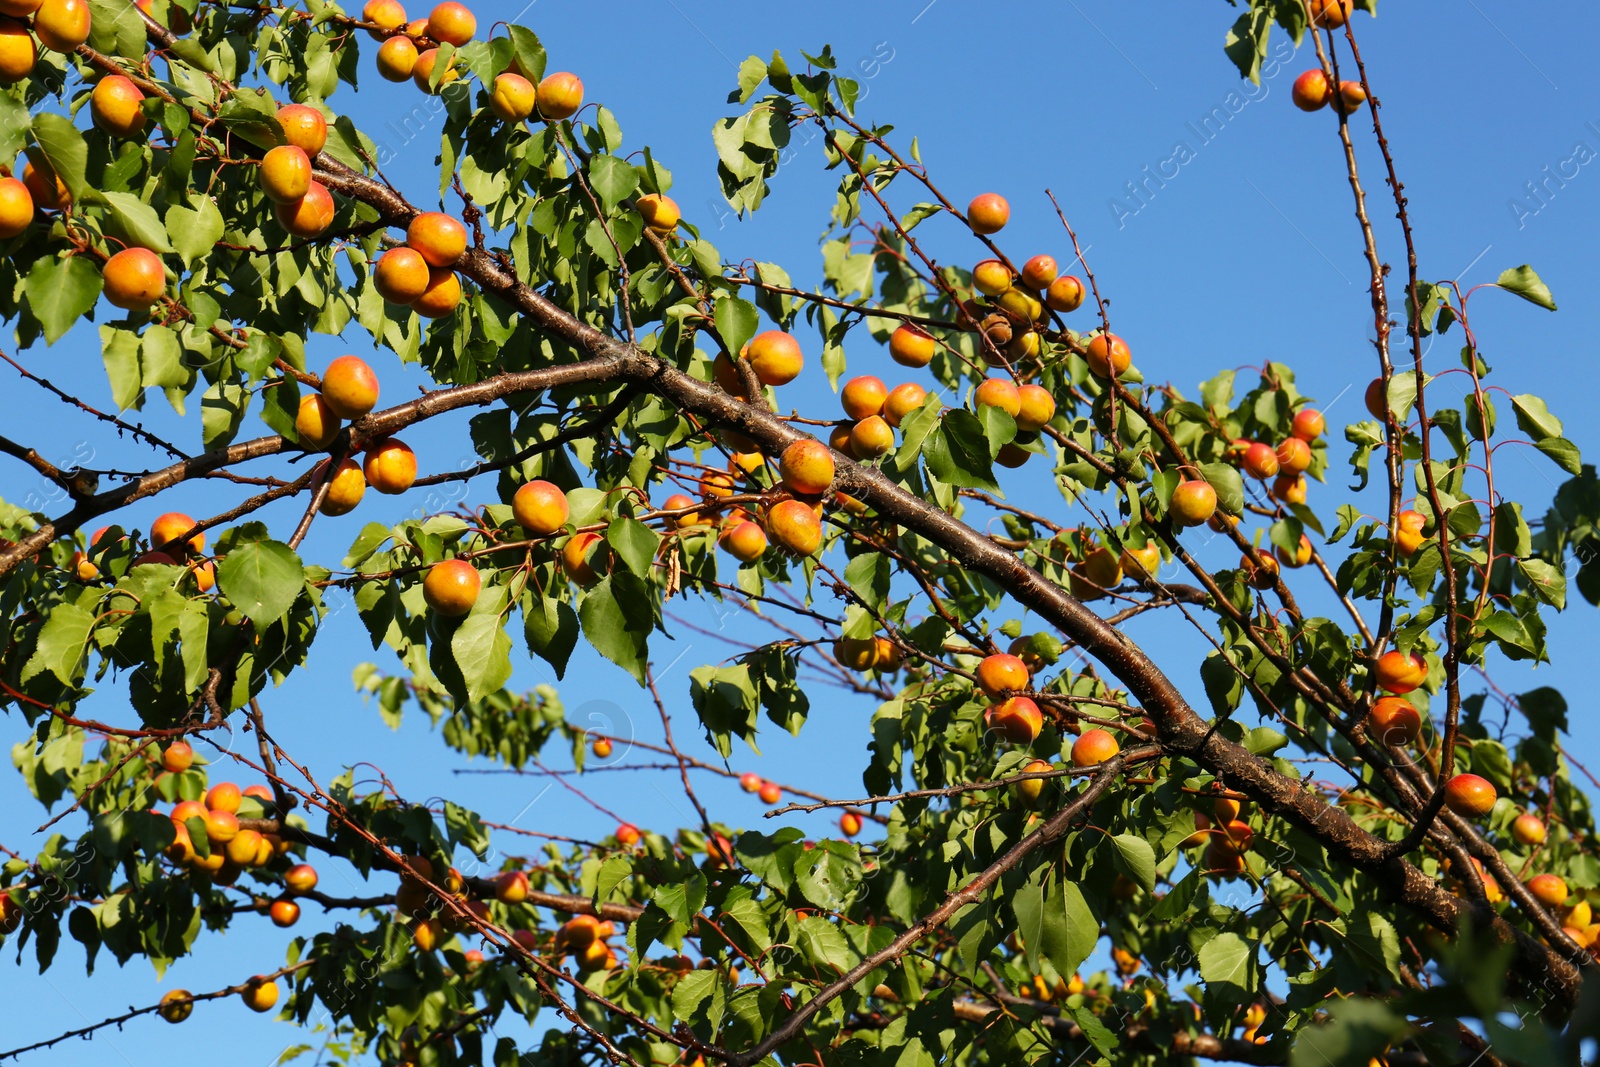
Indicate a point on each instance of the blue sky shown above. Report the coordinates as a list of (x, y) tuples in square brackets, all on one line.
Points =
[(1246, 250)]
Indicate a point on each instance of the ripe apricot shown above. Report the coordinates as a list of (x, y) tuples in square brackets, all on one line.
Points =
[(1064, 294), (1311, 91), (1140, 563), (795, 526), (991, 277), (627, 834), (1294, 455), (285, 173), (849, 824), (176, 1005), (1000, 673), (387, 15), (856, 653), (315, 423), (1093, 748), (1030, 790), (1469, 795), (134, 279), (769, 793), (175, 524), (1330, 13), (998, 393), (349, 387), (659, 211), (304, 127), (775, 357), (242, 847), (1395, 721), (185, 810), (1548, 889), (806, 466), (62, 25), (16, 208), (1308, 424), (511, 887), (51, 196), (1108, 355), (1529, 830), (1193, 502), (221, 827), (560, 96), (1350, 98), (988, 213), (311, 215), (441, 297), (678, 502), (346, 487), (871, 437), (601, 747), (902, 400), (301, 878), (114, 104), (390, 466), (1035, 409), (1260, 460), (422, 72), (397, 58), (1039, 271), (260, 993), (437, 237), (746, 542), (1018, 720), (284, 913), (512, 97), (912, 346), (1289, 488), (1259, 570), (540, 507), (224, 796), (576, 558), (400, 275), (1399, 673), (452, 23), (1408, 535), (451, 587), (1300, 557), (863, 396), (750, 781)]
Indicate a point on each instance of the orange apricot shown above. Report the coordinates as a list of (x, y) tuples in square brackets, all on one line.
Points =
[(134, 279), (16, 208), (1548, 889), (806, 466), (177, 757), (311, 215), (1064, 294), (304, 127), (1108, 355), (441, 297), (422, 72), (576, 558), (284, 913), (452, 23), (1001, 673), (315, 423), (512, 97), (775, 357), (998, 393), (1395, 721), (795, 526), (1469, 795), (301, 878), (1311, 91), (849, 824), (988, 213), (863, 396), (1017, 719), (1300, 557), (260, 994), (1399, 673), (1528, 830), (62, 25), (560, 96), (746, 542), (540, 507), (285, 173), (346, 487), (912, 346), (387, 15), (659, 211), (51, 196), (991, 277), (1036, 407), (1289, 488), (1308, 424), (1260, 460), (400, 275), (1294, 455), (438, 238), (451, 587), (1193, 502), (390, 466), (1330, 13), (114, 104), (397, 58), (1408, 535), (871, 437), (1039, 272), (169, 527), (902, 400), (349, 387)]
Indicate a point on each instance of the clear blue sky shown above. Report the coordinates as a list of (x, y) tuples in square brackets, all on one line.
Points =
[(1249, 253)]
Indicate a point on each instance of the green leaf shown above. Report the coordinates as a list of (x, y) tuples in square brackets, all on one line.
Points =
[(614, 179), (61, 148), (1546, 581), (1534, 418), (261, 579), (617, 617), (1564, 452), (613, 872), (195, 231), (634, 543), (1136, 859), (1070, 928), (551, 629), (61, 644), (137, 222), (958, 452), (1357, 1031), (1228, 959), (736, 321), (1225, 479), (701, 995), (529, 52), (824, 945), (483, 653), (61, 290), (1526, 284)]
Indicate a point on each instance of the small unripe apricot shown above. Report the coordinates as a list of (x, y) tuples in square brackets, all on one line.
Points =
[(775, 357), (114, 104), (991, 277), (315, 422), (1064, 294), (807, 467), (795, 526), (1020, 306), (1469, 796), (172, 525), (1260, 460), (397, 58), (438, 238), (390, 466), (601, 747), (62, 25), (134, 279), (387, 15), (1018, 720), (1294, 455), (1039, 272), (51, 196), (1093, 748), (560, 96), (849, 824), (452, 23), (746, 542), (16, 208), (310, 216), (1395, 721), (998, 393), (902, 400), (400, 275), (909, 345), (441, 297), (304, 127), (422, 72), (451, 587), (1399, 673), (1035, 409), (863, 396), (349, 387), (1193, 502), (988, 213), (1000, 673), (871, 437), (285, 173), (346, 487), (1529, 830), (659, 211), (540, 507), (1108, 355), (1311, 91)]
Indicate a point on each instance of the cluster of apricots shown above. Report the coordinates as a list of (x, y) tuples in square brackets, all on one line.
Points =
[(167, 548), (303, 205), (59, 25), (419, 274), (1095, 568), (874, 412), (863, 654), (432, 921), (1041, 988), (1226, 837), (584, 938), (259, 994)]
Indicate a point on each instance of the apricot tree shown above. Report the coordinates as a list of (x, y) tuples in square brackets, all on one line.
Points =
[(1340, 856)]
